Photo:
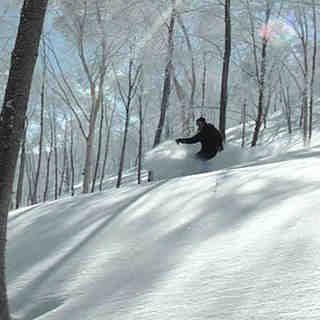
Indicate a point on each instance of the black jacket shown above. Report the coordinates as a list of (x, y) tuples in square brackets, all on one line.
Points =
[(210, 139)]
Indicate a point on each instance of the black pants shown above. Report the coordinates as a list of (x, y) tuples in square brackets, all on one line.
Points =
[(206, 155)]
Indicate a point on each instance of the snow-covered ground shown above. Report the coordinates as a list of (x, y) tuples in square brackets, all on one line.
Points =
[(237, 239)]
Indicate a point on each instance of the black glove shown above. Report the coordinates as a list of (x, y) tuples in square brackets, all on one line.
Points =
[(178, 141), (220, 148)]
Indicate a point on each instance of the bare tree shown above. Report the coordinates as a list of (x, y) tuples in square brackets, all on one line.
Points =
[(108, 126), (42, 103), (55, 153), (141, 127), (133, 81), (304, 24), (47, 179), (167, 78), (285, 99), (21, 168), (260, 74), (225, 69), (99, 150), (313, 67), (204, 80), (72, 169), (244, 121), (12, 118), (182, 97), (94, 68), (188, 115), (64, 170)]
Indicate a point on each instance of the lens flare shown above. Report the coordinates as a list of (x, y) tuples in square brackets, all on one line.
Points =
[(276, 31)]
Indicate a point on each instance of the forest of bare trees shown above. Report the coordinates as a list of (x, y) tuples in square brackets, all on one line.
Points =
[(105, 65), (113, 79)]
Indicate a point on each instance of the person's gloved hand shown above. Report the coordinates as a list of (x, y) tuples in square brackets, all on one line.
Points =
[(220, 148), (178, 141)]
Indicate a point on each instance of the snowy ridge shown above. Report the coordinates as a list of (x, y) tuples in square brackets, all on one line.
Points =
[(238, 242)]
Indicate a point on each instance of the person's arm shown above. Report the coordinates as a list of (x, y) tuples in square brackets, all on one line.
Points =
[(190, 140)]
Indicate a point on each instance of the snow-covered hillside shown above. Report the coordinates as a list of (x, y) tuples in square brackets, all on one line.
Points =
[(238, 241)]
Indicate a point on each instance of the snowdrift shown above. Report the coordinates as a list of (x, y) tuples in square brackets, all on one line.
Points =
[(169, 160)]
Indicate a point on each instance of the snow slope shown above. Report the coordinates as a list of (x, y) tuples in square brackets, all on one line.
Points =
[(240, 242)]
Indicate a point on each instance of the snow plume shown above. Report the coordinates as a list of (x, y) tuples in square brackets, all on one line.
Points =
[(170, 160)]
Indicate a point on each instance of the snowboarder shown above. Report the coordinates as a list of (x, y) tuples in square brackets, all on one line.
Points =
[(209, 137)]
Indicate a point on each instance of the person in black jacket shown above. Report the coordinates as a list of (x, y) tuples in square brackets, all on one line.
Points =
[(209, 137)]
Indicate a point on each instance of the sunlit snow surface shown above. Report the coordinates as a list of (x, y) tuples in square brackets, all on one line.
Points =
[(241, 242)]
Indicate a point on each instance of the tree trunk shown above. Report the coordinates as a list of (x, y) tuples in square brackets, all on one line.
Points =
[(313, 70), (225, 70), (71, 159), (193, 81), (12, 119), (305, 94), (36, 182), (29, 171), (47, 181), (261, 82), (21, 170), (140, 139), (285, 97), (64, 164), (183, 102), (167, 79), (244, 120), (204, 81), (133, 81), (55, 152), (91, 134), (106, 150), (98, 152), (123, 149)]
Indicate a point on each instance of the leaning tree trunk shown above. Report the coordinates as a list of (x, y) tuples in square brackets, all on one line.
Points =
[(12, 118)]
